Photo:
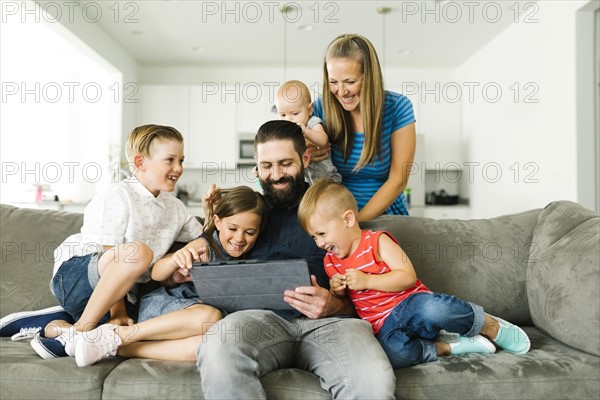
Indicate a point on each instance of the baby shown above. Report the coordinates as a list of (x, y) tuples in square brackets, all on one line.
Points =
[(293, 103)]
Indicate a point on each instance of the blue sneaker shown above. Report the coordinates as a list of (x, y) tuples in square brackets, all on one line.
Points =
[(61, 346), (25, 324), (511, 338)]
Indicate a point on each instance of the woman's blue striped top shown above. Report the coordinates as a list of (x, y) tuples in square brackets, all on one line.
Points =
[(397, 113)]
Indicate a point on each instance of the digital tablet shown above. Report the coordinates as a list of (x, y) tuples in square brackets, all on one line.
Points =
[(249, 284)]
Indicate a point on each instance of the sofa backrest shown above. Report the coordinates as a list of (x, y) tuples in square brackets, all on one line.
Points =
[(481, 261), (28, 239)]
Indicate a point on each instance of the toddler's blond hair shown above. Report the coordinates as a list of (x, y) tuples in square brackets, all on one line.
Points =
[(326, 198)]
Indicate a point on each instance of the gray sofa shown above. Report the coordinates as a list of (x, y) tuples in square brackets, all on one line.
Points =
[(539, 269)]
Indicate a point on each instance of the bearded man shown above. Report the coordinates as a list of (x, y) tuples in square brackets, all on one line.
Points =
[(317, 336)]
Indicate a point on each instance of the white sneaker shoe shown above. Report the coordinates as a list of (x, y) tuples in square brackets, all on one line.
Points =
[(97, 344), (475, 344)]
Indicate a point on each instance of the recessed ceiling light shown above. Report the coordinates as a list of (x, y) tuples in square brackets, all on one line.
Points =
[(306, 28)]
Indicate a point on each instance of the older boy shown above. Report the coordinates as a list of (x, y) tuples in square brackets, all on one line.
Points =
[(125, 231)]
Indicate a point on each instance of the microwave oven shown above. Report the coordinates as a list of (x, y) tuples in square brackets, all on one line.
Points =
[(246, 147)]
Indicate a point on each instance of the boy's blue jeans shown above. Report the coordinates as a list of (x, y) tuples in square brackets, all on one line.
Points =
[(408, 332)]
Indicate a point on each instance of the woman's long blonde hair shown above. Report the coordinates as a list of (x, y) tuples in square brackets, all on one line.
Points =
[(372, 98)]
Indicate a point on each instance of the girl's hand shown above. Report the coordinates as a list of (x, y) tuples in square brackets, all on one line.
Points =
[(356, 280), (183, 258), (195, 251), (181, 275)]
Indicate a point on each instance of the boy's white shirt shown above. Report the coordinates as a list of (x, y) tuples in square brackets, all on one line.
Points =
[(125, 213)]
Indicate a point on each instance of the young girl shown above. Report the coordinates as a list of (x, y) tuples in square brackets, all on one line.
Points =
[(167, 323), (380, 280)]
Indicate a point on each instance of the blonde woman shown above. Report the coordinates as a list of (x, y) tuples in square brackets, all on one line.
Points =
[(372, 130)]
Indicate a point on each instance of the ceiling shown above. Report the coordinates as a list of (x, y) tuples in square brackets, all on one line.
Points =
[(261, 33)]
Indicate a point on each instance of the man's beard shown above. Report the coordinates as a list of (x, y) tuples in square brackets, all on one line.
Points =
[(288, 197)]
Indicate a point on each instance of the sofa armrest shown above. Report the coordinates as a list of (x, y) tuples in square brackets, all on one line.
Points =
[(563, 275), (29, 238)]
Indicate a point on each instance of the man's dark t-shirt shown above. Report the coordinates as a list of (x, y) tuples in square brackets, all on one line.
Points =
[(283, 238)]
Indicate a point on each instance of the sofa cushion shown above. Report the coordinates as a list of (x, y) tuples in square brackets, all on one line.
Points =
[(28, 240), (481, 261), (563, 275), (24, 375), (550, 370), (146, 379)]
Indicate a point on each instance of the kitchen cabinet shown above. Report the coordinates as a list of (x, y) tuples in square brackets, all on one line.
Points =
[(213, 140), (254, 108), (416, 180), (205, 119), (446, 212), (440, 123), (438, 116), (166, 105)]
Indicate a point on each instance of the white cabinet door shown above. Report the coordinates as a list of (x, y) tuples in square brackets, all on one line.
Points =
[(446, 212), (440, 123), (166, 105), (213, 141), (438, 118), (254, 108)]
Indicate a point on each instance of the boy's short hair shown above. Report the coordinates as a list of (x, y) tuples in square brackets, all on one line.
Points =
[(295, 92), (281, 130), (327, 198), (140, 138)]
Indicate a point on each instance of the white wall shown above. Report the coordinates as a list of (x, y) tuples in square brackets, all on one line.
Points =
[(525, 145), (92, 39), (517, 153), (59, 117)]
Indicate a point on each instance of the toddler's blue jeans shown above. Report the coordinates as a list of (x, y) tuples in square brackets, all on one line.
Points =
[(408, 332)]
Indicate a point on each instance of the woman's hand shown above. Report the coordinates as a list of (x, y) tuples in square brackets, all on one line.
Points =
[(403, 146), (318, 153)]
